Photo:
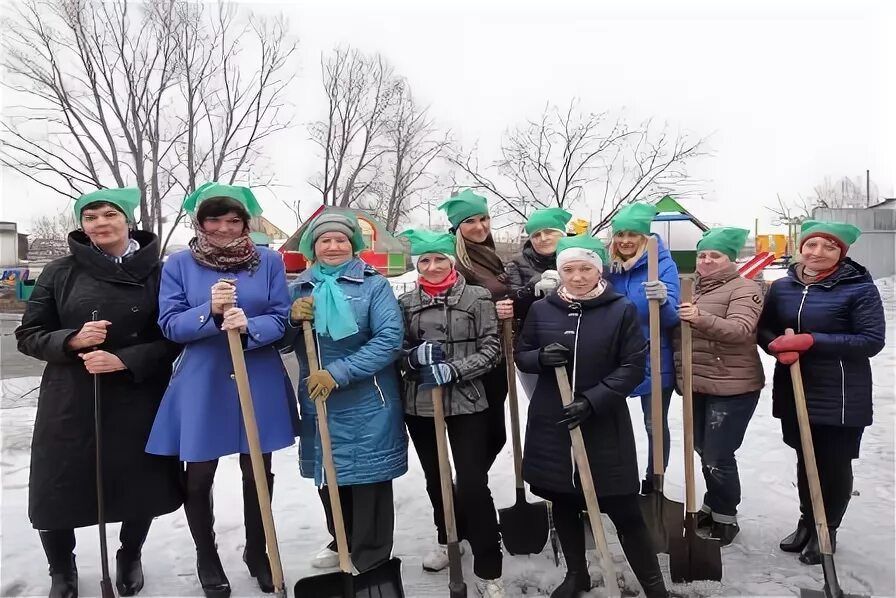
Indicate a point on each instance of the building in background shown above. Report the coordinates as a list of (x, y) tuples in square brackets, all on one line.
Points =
[(876, 248)]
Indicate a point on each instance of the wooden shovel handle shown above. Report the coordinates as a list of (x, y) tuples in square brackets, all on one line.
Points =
[(438, 412), (514, 405), (802, 417), (244, 390), (345, 562), (687, 403), (656, 369), (597, 524)]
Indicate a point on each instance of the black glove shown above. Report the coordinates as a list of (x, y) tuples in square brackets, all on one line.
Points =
[(576, 412), (554, 355)]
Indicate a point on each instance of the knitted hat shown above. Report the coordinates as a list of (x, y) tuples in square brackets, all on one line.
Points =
[(330, 221), (841, 233), (581, 248), (635, 217), (548, 218), (463, 206), (726, 240)]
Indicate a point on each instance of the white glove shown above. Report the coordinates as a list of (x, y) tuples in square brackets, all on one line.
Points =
[(550, 282), (656, 290)]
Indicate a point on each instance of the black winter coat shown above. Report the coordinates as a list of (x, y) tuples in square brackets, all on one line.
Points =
[(610, 353), (523, 271), (62, 486), (845, 315)]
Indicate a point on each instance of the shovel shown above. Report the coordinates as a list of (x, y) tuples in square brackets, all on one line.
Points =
[(691, 557), (612, 580), (831, 583), (524, 526), (106, 590), (456, 586), (664, 517), (383, 581), (258, 472)]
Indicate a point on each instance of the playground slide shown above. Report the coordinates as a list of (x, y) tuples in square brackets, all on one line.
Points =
[(756, 264)]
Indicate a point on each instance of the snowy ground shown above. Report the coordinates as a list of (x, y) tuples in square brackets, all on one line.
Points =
[(753, 565)]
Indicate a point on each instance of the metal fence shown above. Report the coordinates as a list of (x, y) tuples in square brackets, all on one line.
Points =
[(876, 248)]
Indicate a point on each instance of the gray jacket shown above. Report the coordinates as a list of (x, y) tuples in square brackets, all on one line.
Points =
[(465, 322)]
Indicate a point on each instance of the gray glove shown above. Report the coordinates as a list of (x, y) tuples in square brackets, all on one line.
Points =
[(550, 282), (656, 291)]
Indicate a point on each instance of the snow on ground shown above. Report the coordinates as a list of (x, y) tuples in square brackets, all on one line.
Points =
[(753, 565)]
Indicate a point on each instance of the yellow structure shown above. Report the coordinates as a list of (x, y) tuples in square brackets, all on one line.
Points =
[(579, 226), (776, 244)]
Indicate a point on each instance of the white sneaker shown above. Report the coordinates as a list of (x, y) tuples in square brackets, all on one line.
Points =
[(490, 588), (437, 558), (325, 559)]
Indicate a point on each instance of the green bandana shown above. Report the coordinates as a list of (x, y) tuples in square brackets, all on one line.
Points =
[(635, 217), (463, 206), (585, 241), (241, 194), (841, 231), (548, 218), (726, 240), (427, 241), (125, 199)]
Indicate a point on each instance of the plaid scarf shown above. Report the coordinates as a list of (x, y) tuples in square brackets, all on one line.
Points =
[(239, 254)]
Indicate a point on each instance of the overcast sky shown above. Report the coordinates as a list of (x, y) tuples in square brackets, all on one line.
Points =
[(788, 93)]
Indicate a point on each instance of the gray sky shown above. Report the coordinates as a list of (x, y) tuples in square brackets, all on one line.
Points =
[(788, 93)]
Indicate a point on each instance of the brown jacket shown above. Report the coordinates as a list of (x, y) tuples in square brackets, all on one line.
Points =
[(726, 359)]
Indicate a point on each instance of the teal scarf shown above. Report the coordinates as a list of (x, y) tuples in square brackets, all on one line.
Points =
[(333, 316)]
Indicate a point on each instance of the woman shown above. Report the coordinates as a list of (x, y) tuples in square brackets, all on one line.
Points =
[(359, 335), (223, 283), (93, 314), (628, 274), (451, 340), (835, 309), (480, 265), (586, 322), (728, 375)]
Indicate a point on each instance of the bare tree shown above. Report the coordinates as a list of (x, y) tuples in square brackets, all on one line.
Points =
[(846, 192), (787, 215), (361, 91), (150, 94), (569, 157), (52, 228)]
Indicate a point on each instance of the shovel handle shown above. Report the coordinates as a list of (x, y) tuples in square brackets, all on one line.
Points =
[(656, 371), (597, 524), (802, 417), (438, 412), (258, 471), (507, 332), (687, 402), (345, 562)]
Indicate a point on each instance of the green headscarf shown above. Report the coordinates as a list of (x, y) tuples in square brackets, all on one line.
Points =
[(243, 195), (427, 241), (635, 217), (840, 232), (584, 241), (727, 240), (464, 205), (125, 199), (548, 218)]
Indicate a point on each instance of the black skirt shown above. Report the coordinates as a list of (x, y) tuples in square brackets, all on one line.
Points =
[(835, 441)]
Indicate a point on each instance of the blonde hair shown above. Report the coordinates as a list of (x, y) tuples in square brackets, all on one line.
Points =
[(616, 257), (460, 249)]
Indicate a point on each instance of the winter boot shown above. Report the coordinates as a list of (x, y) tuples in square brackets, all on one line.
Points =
[(437, 559), (723, 532), (489, 588), (58, 545), (201, 519), (647, 486), (798, 539), (327, 558), (573, 584), (704, 519), (811, 554), (128, 566), (638, 548), (255, 555)]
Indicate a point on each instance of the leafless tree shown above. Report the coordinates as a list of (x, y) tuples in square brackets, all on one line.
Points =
[(569, 157), (790, 214), (148, 94), (361, 91), (53, 228), (846, 192)]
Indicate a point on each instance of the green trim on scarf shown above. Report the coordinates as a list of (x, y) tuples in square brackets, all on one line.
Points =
[(333, 316)]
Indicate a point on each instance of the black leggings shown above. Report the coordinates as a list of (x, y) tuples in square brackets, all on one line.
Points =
[(201, 474)]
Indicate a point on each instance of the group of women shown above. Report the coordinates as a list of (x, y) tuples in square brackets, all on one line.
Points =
[(155, 338)]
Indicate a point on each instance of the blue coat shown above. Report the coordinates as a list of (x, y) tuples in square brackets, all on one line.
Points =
[(631, 284), (845, 316), (365, 412), (199, 418)]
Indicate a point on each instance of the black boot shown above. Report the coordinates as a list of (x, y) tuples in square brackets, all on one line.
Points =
[(58, 546), (638, 548), (647, 486), (128, 565), (201, 519), (811, 554), (573, 584), (255, 555), (704, 520), (723, 532), (797, 540)]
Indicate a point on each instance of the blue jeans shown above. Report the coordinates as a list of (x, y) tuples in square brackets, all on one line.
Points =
[(648, 425), (719, 427)]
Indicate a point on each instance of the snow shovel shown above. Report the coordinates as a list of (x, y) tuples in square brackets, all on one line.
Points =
[(612, 580), (664, 517), (831, 583), (383, 581), (691, 557), (524, 526), (258, 471), (456, 586), (106, 590)]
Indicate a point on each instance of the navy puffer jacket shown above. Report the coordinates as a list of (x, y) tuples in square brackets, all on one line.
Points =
[(844, 314)]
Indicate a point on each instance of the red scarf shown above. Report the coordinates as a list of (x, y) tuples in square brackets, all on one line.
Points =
[(437, 288)]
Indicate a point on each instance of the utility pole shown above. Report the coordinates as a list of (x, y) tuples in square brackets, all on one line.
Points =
[(867, 188)]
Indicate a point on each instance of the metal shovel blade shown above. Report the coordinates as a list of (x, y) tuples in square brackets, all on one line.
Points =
[(832, 587), (692, 557), (663, 518), (524, 526), (383, 581)]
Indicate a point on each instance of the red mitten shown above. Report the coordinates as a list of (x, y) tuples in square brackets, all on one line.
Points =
[(799, 343), (788, 357)]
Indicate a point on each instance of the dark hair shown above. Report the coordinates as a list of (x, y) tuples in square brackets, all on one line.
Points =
[(96, 205), (214, 207)]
